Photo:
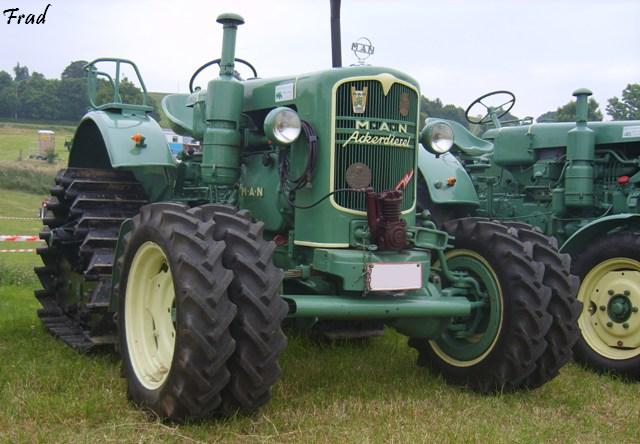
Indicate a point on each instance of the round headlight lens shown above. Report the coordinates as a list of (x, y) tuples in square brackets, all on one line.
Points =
[(441, 138), (283, 125), (437, 137)]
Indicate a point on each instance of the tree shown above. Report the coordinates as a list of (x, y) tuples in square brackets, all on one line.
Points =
[(629, 107), (435, 108), (72, 98), (21, 72), (75, 70), (567, 113), (37, 98), (7, 95), (549, 116)]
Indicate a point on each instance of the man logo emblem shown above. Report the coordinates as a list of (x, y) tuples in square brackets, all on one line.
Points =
[(359, 99), (404, 104)]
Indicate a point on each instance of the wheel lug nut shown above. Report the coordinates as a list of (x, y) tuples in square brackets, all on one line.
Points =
[(634, 309), (625, 325), (611, 292), (620, 343), (627, 292), (603, 308), (609, 324)]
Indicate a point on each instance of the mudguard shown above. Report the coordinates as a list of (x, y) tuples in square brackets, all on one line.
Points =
[(598, 228), (103, 140), (437, 172)]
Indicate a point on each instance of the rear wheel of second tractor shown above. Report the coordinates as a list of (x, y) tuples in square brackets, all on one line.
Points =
[(609, 269), (498, 345)]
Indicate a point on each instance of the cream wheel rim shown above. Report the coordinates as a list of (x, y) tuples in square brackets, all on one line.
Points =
[(150, 316)]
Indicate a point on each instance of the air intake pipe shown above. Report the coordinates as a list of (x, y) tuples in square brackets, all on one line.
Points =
[(222, 138), (579, 176)]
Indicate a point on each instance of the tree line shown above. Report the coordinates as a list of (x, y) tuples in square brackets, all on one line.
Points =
[(31, 96)]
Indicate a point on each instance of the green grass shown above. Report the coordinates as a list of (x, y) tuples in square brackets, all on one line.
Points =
[(17, 137), (361, 394), (17, 268)]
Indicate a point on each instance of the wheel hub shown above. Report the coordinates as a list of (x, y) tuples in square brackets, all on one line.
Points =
[(610, 322)]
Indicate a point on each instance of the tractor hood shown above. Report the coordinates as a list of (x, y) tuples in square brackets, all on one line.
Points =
[(549, 135)]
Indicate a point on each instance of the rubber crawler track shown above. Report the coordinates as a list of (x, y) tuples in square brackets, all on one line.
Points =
[(84, 213)]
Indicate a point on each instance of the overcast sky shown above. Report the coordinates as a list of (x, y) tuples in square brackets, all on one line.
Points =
[(541, 50)]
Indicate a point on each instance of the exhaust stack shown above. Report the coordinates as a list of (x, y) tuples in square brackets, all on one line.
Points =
[(336, 45)]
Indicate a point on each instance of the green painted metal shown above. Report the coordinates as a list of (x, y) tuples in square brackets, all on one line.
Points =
[(474, 336), (339, 307), (599, 228), (349, 264), (438, 170), (93, 74), (112, 132)]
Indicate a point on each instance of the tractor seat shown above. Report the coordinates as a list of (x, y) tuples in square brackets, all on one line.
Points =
[(179, 110)]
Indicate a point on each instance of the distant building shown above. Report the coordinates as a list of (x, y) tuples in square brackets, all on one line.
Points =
[(178, 143)]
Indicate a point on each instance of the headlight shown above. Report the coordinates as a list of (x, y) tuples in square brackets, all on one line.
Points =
[(437, 137), (283, 125)]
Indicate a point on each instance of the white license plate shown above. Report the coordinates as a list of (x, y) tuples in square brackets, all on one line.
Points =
[(389, 276)]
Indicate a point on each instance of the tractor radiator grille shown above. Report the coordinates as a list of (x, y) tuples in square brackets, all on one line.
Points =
[(392, 120)]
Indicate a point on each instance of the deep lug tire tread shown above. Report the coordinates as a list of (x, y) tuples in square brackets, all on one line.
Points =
[(255, 290), (525, 322), (204, 344), (563, 307)]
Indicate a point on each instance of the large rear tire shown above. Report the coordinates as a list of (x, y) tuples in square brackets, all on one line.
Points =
[(564, 308), (174, 313), (255, 290), (609, 269), (497, 347)]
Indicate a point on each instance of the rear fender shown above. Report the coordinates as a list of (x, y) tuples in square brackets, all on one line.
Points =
[(103, 140), (599, 228)]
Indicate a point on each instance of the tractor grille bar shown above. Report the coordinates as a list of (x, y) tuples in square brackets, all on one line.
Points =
[(392, 119)]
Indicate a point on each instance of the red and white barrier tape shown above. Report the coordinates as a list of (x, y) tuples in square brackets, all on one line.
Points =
[(18, 238), (29, 250)]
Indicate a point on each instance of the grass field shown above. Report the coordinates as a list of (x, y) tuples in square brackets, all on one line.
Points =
[(360, 394), (372, 393)]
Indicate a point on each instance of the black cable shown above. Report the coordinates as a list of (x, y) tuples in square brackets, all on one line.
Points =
[(289, 185)]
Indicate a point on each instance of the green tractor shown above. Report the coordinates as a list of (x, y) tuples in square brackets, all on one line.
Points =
[(580, 183), (300, 204)]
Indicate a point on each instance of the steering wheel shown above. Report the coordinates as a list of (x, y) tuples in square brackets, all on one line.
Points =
[(217, 62), (491, 111)]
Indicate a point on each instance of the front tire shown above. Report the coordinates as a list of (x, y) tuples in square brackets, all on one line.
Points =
[(496, 348), (255, 290), (609, 269), (174, 313), (563, 307)]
